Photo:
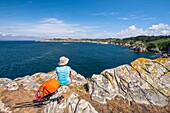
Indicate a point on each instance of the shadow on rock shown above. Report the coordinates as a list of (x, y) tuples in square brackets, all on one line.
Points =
[(37, 104)]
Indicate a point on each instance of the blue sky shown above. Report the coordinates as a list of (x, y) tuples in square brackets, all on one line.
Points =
[(23, 19)]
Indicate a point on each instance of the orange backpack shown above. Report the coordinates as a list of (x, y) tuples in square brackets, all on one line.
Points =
[(47, 88)]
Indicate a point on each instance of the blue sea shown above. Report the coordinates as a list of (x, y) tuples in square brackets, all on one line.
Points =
[(21, 58)]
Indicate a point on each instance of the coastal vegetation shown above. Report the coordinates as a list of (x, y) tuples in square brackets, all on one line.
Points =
[(138, 43), (156, 44), (151, 42)]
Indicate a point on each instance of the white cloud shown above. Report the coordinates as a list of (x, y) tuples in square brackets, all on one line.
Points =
[(130, 17), (52, 27), (106, 14), (165, 32), (134, 17), (1, 34), (132, 27), (154, 30), (123, 18), (52, 20), (130, 32), (47, 26), (8, 34), (159, 26)]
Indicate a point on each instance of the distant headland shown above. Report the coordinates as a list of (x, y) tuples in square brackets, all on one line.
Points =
[(156, 44)]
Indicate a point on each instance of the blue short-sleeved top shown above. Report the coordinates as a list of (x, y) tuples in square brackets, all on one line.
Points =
[(63, 73)]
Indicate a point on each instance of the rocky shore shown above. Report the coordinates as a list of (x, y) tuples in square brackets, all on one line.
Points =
[(141, 47), (143, 86), (138, 47)]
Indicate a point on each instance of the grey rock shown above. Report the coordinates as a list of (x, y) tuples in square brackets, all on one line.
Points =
[(75, 105), (33, 85), (79, 79), (144, 81), (54, 107), (101, 89), (63, 89), (8, 83), (29, 82), (49, 75), (24, 80), (73, 72)]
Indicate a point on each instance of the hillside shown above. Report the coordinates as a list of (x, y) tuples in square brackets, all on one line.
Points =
[(160, 42)]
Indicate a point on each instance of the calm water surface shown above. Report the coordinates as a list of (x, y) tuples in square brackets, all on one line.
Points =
[(20, 58)]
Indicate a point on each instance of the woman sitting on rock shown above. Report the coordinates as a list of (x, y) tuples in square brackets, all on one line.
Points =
[(64, 72)]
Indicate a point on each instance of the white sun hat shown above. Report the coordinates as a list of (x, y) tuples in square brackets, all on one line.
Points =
[(63, 60)]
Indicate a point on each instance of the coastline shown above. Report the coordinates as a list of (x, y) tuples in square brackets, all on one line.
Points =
[(140, 47)]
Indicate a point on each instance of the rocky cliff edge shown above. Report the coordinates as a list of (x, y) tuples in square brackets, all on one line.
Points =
[(141, 86)]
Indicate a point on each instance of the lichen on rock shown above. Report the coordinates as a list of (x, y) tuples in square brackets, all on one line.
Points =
[(143, 81)]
